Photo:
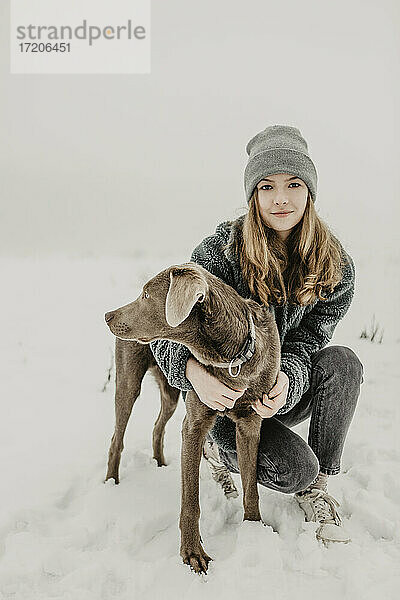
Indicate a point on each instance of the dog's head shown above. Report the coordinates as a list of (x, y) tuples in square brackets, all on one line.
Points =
[(164, 304)]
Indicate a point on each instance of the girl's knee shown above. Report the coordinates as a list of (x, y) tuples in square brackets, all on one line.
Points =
[(295, 477), (292, 476), (296, 480), (339, 358)]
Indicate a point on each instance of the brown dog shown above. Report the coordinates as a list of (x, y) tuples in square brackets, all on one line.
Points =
[(188, 304)]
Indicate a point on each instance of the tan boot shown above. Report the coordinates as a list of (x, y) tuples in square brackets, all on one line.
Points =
[(218, 469), (320, 507)]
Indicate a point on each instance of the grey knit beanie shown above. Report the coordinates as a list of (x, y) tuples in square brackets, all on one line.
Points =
[(279, 149)]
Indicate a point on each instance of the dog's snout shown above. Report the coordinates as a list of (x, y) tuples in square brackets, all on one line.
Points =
[(109, 316)]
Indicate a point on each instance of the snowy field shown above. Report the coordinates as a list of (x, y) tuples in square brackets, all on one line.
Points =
[(64, 534)]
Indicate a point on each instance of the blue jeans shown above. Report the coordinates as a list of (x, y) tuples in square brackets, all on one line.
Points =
[(286, 463)]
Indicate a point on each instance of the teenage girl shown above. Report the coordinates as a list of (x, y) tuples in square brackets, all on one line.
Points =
[(282, 254)]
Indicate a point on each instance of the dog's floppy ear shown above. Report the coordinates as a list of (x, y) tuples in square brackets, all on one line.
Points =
[(185, 289)]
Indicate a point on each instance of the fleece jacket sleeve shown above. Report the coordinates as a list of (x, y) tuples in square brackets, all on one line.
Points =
[(171, 356), (313, 333)]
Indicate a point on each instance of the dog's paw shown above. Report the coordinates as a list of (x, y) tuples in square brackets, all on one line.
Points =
[(197, 560)]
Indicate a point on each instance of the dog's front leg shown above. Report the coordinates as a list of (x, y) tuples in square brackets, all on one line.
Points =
[(131, 363), (247, 442), (197, 422)]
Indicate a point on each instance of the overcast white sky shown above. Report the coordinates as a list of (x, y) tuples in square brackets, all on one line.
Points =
[(124, 164)]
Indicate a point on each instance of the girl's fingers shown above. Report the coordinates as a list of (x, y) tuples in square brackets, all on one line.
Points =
[(274, 392), (263, 415), (257, 410), (226, 387), (262, 409), (215, 405), (230, 403), (264, 400)]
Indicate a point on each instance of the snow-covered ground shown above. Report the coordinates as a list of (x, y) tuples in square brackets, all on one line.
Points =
[(64, 534)]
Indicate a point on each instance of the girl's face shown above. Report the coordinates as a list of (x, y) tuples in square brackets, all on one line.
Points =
[(280, 193)]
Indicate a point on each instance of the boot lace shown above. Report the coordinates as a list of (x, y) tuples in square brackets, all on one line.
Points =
[(324, 506), (219, 471), (222, 476)]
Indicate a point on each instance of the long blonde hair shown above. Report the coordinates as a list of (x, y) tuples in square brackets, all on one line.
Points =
[(295, 271)]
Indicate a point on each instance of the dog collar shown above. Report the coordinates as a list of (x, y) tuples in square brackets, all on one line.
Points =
[(245, 353)]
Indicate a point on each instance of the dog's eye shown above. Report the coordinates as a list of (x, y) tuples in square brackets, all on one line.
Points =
[(146, 294)]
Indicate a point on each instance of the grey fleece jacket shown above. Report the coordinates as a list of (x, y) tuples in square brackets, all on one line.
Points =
[(303, 330)]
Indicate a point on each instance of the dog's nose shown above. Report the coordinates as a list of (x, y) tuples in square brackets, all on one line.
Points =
[(109, 316)]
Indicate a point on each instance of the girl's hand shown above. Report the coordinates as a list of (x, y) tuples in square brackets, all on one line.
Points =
[(275, 399), (212, 392)]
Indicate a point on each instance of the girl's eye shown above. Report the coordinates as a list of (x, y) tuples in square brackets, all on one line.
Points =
[(295, 183), (264, 186)]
